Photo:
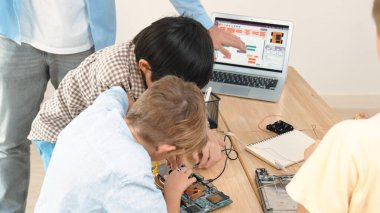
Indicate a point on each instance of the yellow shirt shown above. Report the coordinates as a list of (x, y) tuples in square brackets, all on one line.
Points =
[(343, 174)]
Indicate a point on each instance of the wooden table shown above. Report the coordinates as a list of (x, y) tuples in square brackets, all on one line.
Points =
[(234, 183), (299, 105)]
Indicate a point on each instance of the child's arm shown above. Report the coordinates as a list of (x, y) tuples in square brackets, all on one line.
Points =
[(176, 183)]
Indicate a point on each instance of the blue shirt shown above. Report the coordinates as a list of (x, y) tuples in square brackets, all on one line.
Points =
[(98, 167), (101, 15)]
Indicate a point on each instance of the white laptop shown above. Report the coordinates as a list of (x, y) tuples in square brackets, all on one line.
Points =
[(260, 73)]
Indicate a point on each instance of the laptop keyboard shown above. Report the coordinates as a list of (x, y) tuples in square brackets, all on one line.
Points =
[(244, 80)]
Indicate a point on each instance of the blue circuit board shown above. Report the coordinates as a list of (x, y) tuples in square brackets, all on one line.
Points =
[(202, 196)]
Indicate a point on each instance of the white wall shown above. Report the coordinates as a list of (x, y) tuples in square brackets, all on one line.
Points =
[(333, 45)]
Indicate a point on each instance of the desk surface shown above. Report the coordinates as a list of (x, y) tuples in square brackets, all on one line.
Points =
[(299, 105)]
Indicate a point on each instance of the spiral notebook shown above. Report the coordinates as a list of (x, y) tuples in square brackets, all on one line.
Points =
[(282, 150)]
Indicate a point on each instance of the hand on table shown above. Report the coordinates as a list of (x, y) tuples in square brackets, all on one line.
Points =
[(222, 38)]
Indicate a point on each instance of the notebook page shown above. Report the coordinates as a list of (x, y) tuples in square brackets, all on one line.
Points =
[(285, 149)]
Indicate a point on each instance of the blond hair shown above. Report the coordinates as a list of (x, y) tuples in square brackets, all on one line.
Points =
[(171, 111), (376, 14)]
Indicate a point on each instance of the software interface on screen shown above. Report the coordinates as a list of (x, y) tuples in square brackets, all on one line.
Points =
[(265, 44)]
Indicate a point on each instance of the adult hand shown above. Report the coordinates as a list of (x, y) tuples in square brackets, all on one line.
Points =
[(211, 153), (309, 150), (222, 38)]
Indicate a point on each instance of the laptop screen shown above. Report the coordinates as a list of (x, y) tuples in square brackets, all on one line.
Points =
[(265, 43)]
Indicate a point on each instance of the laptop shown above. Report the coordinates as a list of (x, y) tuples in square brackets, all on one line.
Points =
[(261, 71)]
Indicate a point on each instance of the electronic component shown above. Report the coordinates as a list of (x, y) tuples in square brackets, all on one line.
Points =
[(192, 209), (202, 196), (273, 195), (195, 190), (216, 198), (280, 127)]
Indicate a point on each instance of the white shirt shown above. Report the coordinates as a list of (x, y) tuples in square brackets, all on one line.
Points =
[(55, 26), (343, 174), (98, 167)]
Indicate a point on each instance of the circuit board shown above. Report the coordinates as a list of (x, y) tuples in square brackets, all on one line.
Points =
[(202, 196), (274, 197)]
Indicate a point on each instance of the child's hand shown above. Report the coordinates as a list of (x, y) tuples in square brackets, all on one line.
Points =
[(175, 184), (211, 152), (178, 181)]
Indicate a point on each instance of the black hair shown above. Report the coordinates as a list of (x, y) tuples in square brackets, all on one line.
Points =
[(177, 46)]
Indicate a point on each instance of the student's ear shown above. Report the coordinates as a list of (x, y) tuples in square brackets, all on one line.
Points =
[(165, 149), (146, 70)]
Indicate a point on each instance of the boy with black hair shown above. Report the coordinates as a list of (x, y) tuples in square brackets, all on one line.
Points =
[(341, 173), (102, 161), (170, 46)]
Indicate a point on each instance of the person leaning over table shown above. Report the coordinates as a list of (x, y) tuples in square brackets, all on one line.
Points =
[(110, 168), (177, 46), (342, 172), (42, 40)]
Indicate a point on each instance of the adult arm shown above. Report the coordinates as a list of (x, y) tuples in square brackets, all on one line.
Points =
[(193, 9), (220, 38)]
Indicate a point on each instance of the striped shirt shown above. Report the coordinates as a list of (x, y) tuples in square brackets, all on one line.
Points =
[(113, 66)]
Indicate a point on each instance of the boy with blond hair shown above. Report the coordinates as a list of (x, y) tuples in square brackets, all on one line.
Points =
[(342, 174), (102, 161)]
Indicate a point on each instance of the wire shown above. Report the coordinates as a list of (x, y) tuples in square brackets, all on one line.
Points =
[(314, 127), (228, 151)]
